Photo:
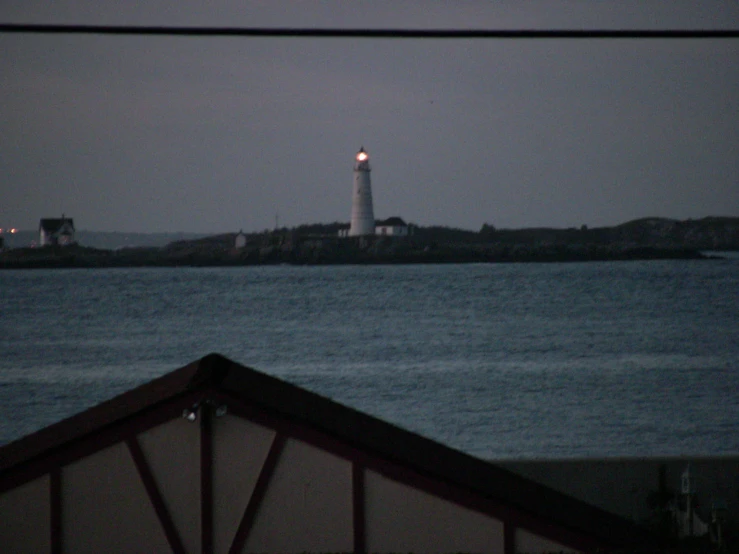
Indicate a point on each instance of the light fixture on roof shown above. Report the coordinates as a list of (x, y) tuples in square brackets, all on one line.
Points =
[(191, 413)]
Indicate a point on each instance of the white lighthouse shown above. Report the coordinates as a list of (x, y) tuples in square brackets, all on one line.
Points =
[(363, 217)]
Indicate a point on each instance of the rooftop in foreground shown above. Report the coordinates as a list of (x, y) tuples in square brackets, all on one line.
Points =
[(217, 457)]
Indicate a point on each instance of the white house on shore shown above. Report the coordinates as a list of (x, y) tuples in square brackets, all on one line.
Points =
[(391, 227), (240, 240), (56, 231)]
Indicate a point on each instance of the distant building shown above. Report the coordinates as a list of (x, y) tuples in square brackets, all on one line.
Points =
[(392, 226), (53, 232), (240, 240), (344, 230)]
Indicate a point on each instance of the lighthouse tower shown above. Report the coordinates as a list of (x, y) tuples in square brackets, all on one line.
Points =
[(363, 218)]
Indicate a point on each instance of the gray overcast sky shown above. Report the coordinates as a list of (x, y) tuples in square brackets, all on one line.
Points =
[(220, 134)]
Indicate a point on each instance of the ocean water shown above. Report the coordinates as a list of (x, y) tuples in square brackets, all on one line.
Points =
[(500, 360)]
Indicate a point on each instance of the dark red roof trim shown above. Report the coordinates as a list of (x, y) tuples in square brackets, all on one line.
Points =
[(358, 515), (55, 510), (257, 495), (38, 462), (509, 538), (156, 498), (206, 479)]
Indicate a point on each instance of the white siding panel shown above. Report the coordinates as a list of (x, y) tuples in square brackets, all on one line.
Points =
[(529, 543), (405, 519), (172, 451), (105, 507), (239, 450), (25, 518), (308, 505)]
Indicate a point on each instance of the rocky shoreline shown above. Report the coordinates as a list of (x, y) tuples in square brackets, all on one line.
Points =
[(382, 252)]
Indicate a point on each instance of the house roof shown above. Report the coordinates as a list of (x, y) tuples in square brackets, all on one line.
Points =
[(390, 222), (376, 443), (52, 225)]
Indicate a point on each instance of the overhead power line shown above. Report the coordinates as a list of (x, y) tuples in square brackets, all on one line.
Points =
[(367, 33)]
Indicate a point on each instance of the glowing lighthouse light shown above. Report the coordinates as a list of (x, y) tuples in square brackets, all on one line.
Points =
[(363, 217)]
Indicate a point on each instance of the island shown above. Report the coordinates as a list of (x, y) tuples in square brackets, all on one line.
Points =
[(643, 239)]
